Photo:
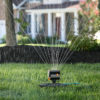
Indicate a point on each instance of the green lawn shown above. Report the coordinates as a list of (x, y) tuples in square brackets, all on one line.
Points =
[(98, 41), (20, 82), (2, 45), (43, 45)]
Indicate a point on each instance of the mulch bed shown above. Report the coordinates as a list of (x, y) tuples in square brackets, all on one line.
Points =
[(32, 54)]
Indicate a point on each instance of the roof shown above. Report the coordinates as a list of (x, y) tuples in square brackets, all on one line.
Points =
[(53, 6), (17, 2)]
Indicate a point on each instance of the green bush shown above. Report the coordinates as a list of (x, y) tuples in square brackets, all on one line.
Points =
[(3, 39), (45, 39), (24, 39), (21, 39), (83, 43), (71, 37)]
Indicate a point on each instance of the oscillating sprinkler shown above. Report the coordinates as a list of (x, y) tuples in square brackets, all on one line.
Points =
[(54, 75)]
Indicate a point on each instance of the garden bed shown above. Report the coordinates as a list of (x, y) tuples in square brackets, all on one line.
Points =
[(37, 54)]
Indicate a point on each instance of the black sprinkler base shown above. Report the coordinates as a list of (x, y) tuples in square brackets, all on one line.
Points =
[(57, 84)]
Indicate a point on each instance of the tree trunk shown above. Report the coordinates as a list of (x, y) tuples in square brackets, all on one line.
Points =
[(10, 27)]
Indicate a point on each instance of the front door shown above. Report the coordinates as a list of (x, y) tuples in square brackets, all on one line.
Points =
[(58, 25)]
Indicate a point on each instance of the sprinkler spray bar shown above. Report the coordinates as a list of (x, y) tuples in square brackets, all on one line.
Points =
[(54, 75)]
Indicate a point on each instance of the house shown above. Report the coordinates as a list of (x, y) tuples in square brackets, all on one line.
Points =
[(47, 17)]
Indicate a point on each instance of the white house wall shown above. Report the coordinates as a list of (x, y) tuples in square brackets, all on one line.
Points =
[(69, 0), (56, 1), (52, 1), (2, 29)]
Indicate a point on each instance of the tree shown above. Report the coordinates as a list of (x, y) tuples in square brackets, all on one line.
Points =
[(89, 14), (99, 5), (10, 27), (22, 21)]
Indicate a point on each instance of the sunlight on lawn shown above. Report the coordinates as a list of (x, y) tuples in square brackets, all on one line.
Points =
[(2, 45), (98, 41), (44, 45)]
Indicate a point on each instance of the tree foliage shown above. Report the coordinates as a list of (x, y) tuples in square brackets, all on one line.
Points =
[(90, 16), (23, 23), (99, 5)]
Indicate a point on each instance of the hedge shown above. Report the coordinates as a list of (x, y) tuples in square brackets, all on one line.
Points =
[(37, 54)]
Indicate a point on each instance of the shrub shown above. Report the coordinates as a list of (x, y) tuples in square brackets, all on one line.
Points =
[(83, 43), (3, 39), (45, 39), (24, 39), (21, 39)]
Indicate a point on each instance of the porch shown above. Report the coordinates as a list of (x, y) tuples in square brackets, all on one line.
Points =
[(54, 22)]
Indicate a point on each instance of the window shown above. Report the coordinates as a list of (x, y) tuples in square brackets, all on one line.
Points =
[(28, 19)]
